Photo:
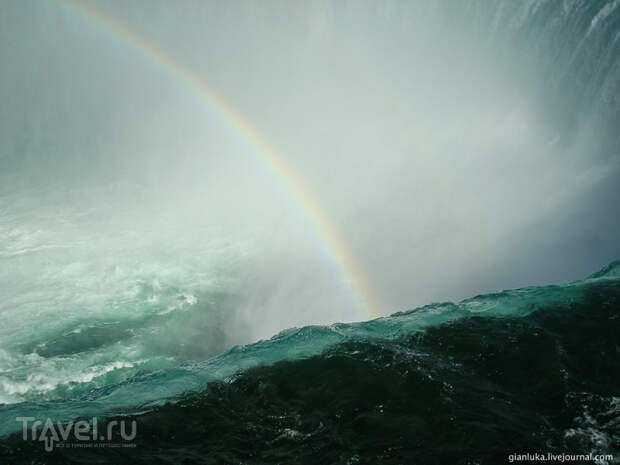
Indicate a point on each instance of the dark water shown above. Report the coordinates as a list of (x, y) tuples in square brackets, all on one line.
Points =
[(543, 379)]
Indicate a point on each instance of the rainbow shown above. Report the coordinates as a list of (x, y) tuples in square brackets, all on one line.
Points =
[(332, 243)]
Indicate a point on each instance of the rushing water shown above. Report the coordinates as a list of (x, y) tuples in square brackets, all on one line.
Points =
[(528, 370)]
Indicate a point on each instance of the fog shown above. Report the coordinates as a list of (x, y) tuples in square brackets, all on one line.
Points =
[(451, 157)]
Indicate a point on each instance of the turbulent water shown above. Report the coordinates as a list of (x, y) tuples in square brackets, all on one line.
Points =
[(133, 282), (532, 370)]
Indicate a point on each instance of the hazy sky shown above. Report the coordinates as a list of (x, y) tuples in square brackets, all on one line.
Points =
[(437, 147)]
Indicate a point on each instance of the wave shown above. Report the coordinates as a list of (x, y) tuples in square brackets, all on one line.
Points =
[(534, 361)]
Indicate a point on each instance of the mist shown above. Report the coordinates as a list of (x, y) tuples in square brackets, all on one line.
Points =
[(452, 156)]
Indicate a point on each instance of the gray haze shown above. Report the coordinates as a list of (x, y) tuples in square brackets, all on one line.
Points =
[(457, 147)]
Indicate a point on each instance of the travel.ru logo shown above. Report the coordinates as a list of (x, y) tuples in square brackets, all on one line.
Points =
[(79, 434)]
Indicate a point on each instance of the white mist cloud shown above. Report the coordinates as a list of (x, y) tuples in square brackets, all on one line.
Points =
[(422, 134)]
